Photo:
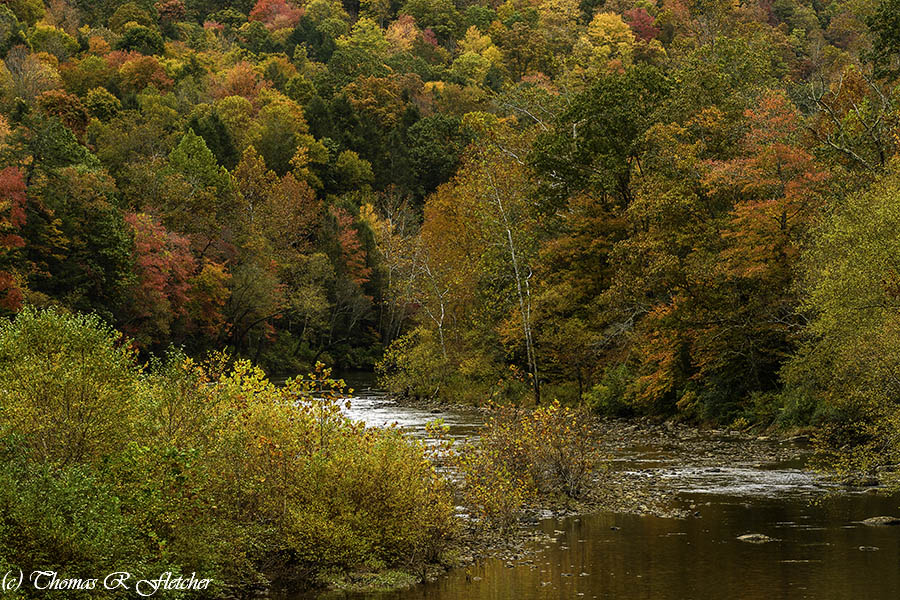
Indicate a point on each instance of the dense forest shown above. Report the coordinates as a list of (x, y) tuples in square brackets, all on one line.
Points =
[(675, 208)]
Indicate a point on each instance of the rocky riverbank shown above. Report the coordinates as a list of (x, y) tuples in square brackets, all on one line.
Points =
[(634, 480), (644, 470)]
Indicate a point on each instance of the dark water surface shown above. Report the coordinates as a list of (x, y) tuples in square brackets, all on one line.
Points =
[(821, 550)]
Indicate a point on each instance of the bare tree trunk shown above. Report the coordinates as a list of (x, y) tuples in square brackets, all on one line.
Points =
[(523, 291)]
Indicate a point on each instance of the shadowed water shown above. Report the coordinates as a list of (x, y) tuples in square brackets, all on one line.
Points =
[(821, 550)]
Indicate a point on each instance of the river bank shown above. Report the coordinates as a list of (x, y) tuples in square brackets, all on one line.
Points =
[(644, 463), (673, 500), (639, 478)]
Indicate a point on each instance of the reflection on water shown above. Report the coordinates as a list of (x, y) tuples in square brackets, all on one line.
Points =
[(817, 555), (821, 550)]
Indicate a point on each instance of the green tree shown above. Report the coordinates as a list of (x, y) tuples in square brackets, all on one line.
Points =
[(609, 120), (846, 368), (141, 39), (71, 385)]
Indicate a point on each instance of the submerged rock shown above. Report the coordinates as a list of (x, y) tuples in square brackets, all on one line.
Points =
[(755, 538), (880, 521)]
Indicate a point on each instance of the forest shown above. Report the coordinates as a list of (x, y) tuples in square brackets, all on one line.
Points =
[(650, 208), (677, 209)]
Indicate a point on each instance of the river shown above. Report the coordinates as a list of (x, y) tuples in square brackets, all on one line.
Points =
[(821, 550)]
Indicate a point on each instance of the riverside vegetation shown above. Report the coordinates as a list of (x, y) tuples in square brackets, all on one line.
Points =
[(650, 206), (195, 467)]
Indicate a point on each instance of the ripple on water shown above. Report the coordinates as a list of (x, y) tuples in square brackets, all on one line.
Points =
[(744, 481)]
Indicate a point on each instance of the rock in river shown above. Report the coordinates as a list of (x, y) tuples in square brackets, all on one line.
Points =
[(877, 521), (755, 538)]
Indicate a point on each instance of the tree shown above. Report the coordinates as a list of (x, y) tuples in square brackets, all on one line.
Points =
[(138, 38), (100, 103), (435, 146), (559, 22), (217, 137), (164, 267), (595, 143), (193, 159), (289, 218), (207, 204), (608, 44), (353, 255), (46, 144), (523, 46), (253, 182), (705, 288), (11, 31), (30, 76), (885, 25), (276, 134), (641, 23), (28, 12), (576, 268), (484, 217), (847, 365), (276, 14), (53, 41), (439, 16), (80, 247), (12, 218), (129, 12), (142, 71), (67, 108), (854, 118), (170, 11)]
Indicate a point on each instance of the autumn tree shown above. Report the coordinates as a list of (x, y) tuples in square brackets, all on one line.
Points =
[(846, 367), (164, 266), (12, 217)]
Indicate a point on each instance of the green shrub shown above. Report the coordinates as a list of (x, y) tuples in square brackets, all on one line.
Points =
[(69, 520), (197, 467), (68, 385), (608, 397), (414, 366)]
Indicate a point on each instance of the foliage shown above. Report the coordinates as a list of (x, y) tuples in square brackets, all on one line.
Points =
[(550, 450), (69, 386), (848, 359), (614, 201), (199, 467)]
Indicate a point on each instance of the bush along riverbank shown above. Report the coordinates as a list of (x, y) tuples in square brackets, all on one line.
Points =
[(528, 464), (207, 467), (190, 467)]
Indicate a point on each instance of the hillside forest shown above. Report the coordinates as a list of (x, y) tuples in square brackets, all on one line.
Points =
[(681, 208)]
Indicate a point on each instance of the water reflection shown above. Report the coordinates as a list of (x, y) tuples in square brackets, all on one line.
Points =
[(817, 555)]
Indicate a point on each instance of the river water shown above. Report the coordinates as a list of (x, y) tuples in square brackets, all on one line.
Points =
[(822, 551)]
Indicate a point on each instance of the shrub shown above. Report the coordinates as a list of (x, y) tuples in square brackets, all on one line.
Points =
[(67, 519), (196, 467), (609, 396), (550, 450), (67, 385), (413, 366)]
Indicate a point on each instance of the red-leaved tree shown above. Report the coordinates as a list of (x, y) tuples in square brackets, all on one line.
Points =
[(12, 218)]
